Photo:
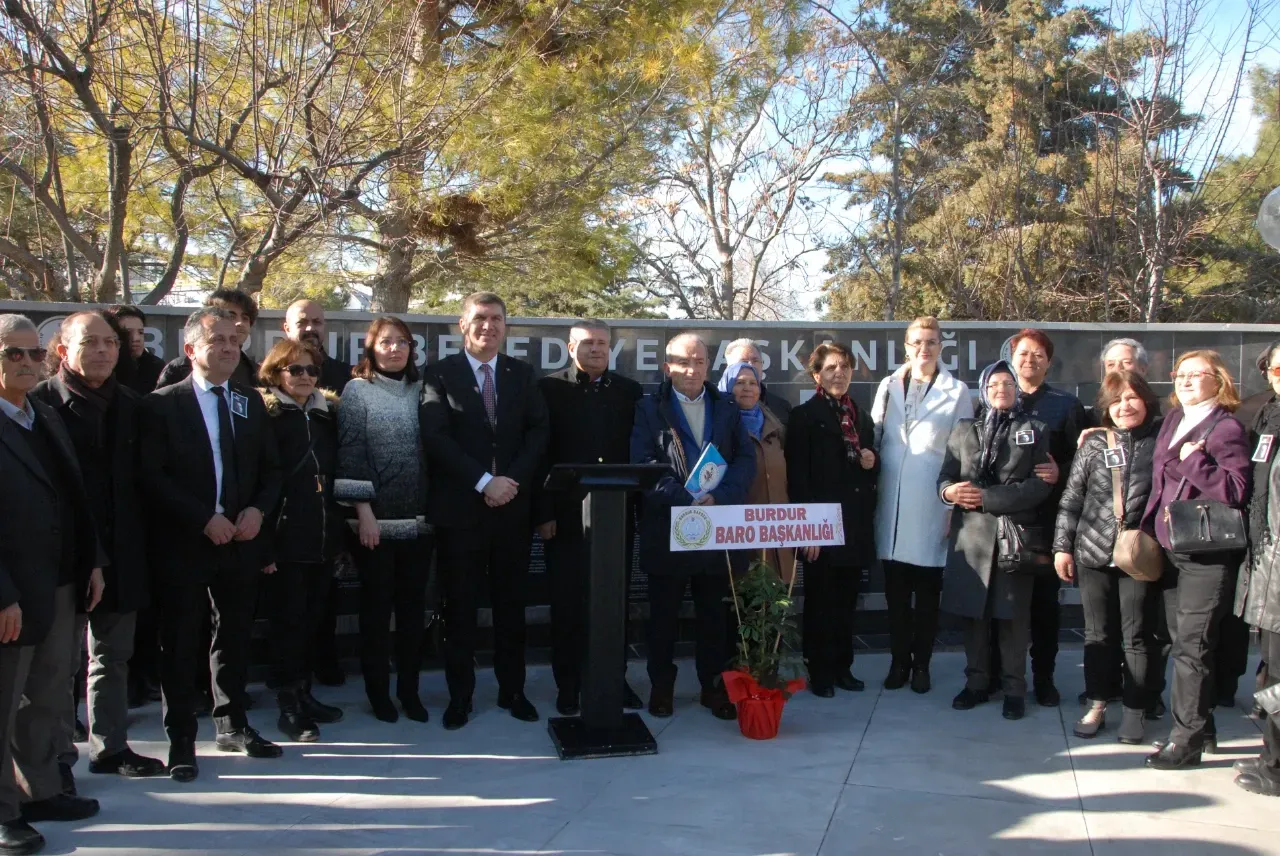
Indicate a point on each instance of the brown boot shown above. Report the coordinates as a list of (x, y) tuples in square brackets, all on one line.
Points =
[(662, 701), (717, 701)]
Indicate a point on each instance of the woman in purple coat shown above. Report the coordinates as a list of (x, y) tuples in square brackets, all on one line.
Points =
[(1202, 451)]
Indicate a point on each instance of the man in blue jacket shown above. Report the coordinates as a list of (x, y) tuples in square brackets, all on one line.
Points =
[(673, 426)]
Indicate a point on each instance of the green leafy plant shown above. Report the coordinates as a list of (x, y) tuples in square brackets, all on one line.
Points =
[(767, 629)]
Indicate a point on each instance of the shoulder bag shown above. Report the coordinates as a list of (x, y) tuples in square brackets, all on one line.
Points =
[(1136, 553), (1203, 525)]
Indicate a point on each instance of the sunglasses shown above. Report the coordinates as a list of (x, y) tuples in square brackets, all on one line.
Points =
[(36, 355), (296, 370)]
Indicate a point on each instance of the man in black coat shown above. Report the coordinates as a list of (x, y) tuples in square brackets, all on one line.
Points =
[(211, 471), (49, 559), (484, 429), (242, 309), (304, 322), (747, 351), (101, 417), (592, 410)]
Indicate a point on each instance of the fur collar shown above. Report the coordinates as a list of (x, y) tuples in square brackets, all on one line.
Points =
[(276, 400)]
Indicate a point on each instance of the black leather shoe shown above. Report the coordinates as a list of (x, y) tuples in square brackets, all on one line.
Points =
[(1015, 707), (59, 807), (182, 761), (247, 742), (1256, 783), (1047, 694), (567, 703), (317, 710), (920, 682), (414, 709), (17, 838), (849, 683), (383, 709), (297, 726), (969, 699), (455, 715), (897, 677), (822, 689), (662, 701), (717, 701), (1174, 757), (1247, 765), (519, 706), (68, 779), (630, 701), (329, 673), (126, 763), (81, 734), (1155, 710)]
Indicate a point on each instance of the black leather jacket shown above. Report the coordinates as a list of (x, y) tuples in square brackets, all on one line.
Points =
[(1086, 525)]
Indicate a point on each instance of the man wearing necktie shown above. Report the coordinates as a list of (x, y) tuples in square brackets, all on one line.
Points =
[(484, 428), (210, 467)]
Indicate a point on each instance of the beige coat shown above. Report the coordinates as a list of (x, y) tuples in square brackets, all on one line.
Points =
[(770, 484)]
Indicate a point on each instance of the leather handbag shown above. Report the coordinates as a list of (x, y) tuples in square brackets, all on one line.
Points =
[(1022, 549), (1203, 525), (1136, 553)]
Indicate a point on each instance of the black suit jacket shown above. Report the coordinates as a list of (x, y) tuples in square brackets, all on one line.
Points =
[(179, 479), (179, 369), (460, 443), (124, 534), (590, 424), (31, 540), (334, 374)]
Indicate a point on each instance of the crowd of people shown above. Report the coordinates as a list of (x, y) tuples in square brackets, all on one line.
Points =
[(152, 510)]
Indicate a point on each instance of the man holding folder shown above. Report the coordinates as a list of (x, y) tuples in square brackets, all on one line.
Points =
[(676, 426)]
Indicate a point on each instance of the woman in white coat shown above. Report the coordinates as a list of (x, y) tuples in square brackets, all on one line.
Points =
[(914, 411)]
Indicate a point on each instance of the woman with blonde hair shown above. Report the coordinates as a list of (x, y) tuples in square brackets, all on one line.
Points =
[(1202, 452), (914, 411)]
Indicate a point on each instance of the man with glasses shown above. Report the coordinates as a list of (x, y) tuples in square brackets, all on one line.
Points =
[(746, 351), (1064, 417), (211, 471), (101, 417), (674, 426), (50, 563)]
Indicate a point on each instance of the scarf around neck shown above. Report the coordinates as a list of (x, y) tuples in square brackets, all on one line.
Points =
[(995, 423), (753, 419), (847, 412)]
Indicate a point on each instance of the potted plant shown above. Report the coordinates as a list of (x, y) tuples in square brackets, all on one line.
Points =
[(765, 668)]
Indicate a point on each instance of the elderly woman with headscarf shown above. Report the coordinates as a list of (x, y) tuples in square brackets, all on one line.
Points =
[(741, 382), (988, 474)]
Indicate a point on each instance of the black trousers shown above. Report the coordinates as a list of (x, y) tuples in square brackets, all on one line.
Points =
[(1270, 766), (230, 596), (295, 600), (996, 648), (144, 665), (1195, 593), (326, 628), (1115, 619), (495, 556), (912, 630), (1045, 619), (830, 601), (1231, 659), (393, 579), (568, 573), (666, 594)]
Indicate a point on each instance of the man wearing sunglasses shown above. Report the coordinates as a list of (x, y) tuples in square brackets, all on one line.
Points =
[(211, 471), (50, 560), (101, 417)]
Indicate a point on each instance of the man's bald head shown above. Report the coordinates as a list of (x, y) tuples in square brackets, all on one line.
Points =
[(304, 321)]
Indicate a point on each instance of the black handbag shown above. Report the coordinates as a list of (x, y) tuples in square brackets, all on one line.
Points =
[(1203, 525), (1022, 549)]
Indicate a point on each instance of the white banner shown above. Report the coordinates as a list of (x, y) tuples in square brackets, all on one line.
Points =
[(745, 527)]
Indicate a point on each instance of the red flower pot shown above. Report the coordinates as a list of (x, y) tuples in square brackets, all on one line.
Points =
[(759, 708)]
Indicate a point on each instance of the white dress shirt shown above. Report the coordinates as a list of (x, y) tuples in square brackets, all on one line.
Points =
[(208, 400), (25, 416), (475, 369)]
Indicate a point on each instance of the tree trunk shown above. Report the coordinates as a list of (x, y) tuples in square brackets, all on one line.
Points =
[(392, 286), (895, 281), (120, 154)]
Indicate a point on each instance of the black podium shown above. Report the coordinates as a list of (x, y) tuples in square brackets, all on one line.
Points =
[(603, 730)]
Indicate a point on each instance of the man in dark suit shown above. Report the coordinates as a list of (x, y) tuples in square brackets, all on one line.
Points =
[(101, 417), (592, 410), (211, 471), (242, 309), (484, 428), (304, 322), (49, 559), (747, 351)]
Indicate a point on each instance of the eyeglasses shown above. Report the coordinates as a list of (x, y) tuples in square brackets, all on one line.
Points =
[(924, 343), (996, 387), (296, 370), (36, 355), (1189, 376)]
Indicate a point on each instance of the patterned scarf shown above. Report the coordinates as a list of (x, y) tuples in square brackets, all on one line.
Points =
[(995, 423), (847, 412)]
